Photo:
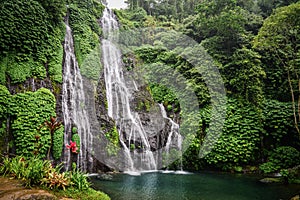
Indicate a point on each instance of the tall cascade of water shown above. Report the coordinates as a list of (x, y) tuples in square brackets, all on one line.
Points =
[(118, 98), (73, 107)]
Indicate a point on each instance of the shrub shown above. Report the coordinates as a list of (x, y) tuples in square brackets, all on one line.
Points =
[(31, 170), (283, 157), (76, 138), (57, 147), (268, 167), (30, 110), (54, 179), (79, 179)]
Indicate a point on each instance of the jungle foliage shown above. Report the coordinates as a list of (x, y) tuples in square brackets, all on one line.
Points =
[(254, 45), (31, 37), (28, 112)]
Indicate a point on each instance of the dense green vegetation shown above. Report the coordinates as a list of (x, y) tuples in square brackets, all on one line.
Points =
[(29, 111), (32, 33), (255, 45), (36, 172), (31, 38)]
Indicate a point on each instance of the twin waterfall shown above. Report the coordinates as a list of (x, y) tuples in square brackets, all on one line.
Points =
[(136, 154)]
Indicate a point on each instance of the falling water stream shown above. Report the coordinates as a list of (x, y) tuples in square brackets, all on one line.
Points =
[(174, 140), (118, 99), (73, 106)]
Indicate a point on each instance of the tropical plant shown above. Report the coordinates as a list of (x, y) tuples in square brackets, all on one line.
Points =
[(283, 157), (52, 125), (54, 179), (31, 170), (79, 179), (58, 140)]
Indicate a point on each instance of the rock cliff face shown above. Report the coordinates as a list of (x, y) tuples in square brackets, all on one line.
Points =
[(155, 125)]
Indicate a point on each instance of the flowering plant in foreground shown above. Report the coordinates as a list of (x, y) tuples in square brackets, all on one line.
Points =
[(72, 146)]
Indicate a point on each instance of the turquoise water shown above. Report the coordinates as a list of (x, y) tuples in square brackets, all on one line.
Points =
[(196, 186)]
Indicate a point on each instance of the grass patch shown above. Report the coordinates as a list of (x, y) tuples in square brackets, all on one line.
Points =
[(89, 194)]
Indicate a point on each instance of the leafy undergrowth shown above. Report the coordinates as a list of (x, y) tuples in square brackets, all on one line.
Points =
[(89, 194), (35, 172)]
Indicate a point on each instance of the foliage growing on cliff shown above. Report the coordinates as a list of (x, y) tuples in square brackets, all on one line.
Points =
[(113, 137), (240, 138), (41, 105), (23, 27), (30, 41), (278, 42), (58, 143), (28, 112), (278, 124), (83, 16), (91, 66)]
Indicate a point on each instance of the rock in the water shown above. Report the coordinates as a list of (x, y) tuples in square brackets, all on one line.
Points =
[(270, 180)]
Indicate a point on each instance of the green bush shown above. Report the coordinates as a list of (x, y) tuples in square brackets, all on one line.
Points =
[(113, 137), (239, 141), (23, 27), (58, 143), (76, 138), (29, 111), (91, 66), (19, 71), (283, 157), (79, 179), (5, 98), (269, 167), (31, 40), (86, 30), (30, 170), (55, 52), (278, 123)]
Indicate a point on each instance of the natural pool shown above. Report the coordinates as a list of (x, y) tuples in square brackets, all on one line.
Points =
[(195, 186)]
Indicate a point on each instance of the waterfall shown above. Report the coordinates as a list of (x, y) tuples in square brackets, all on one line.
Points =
[(33, 87), (73, 107), (133, 138), (174, 140)]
